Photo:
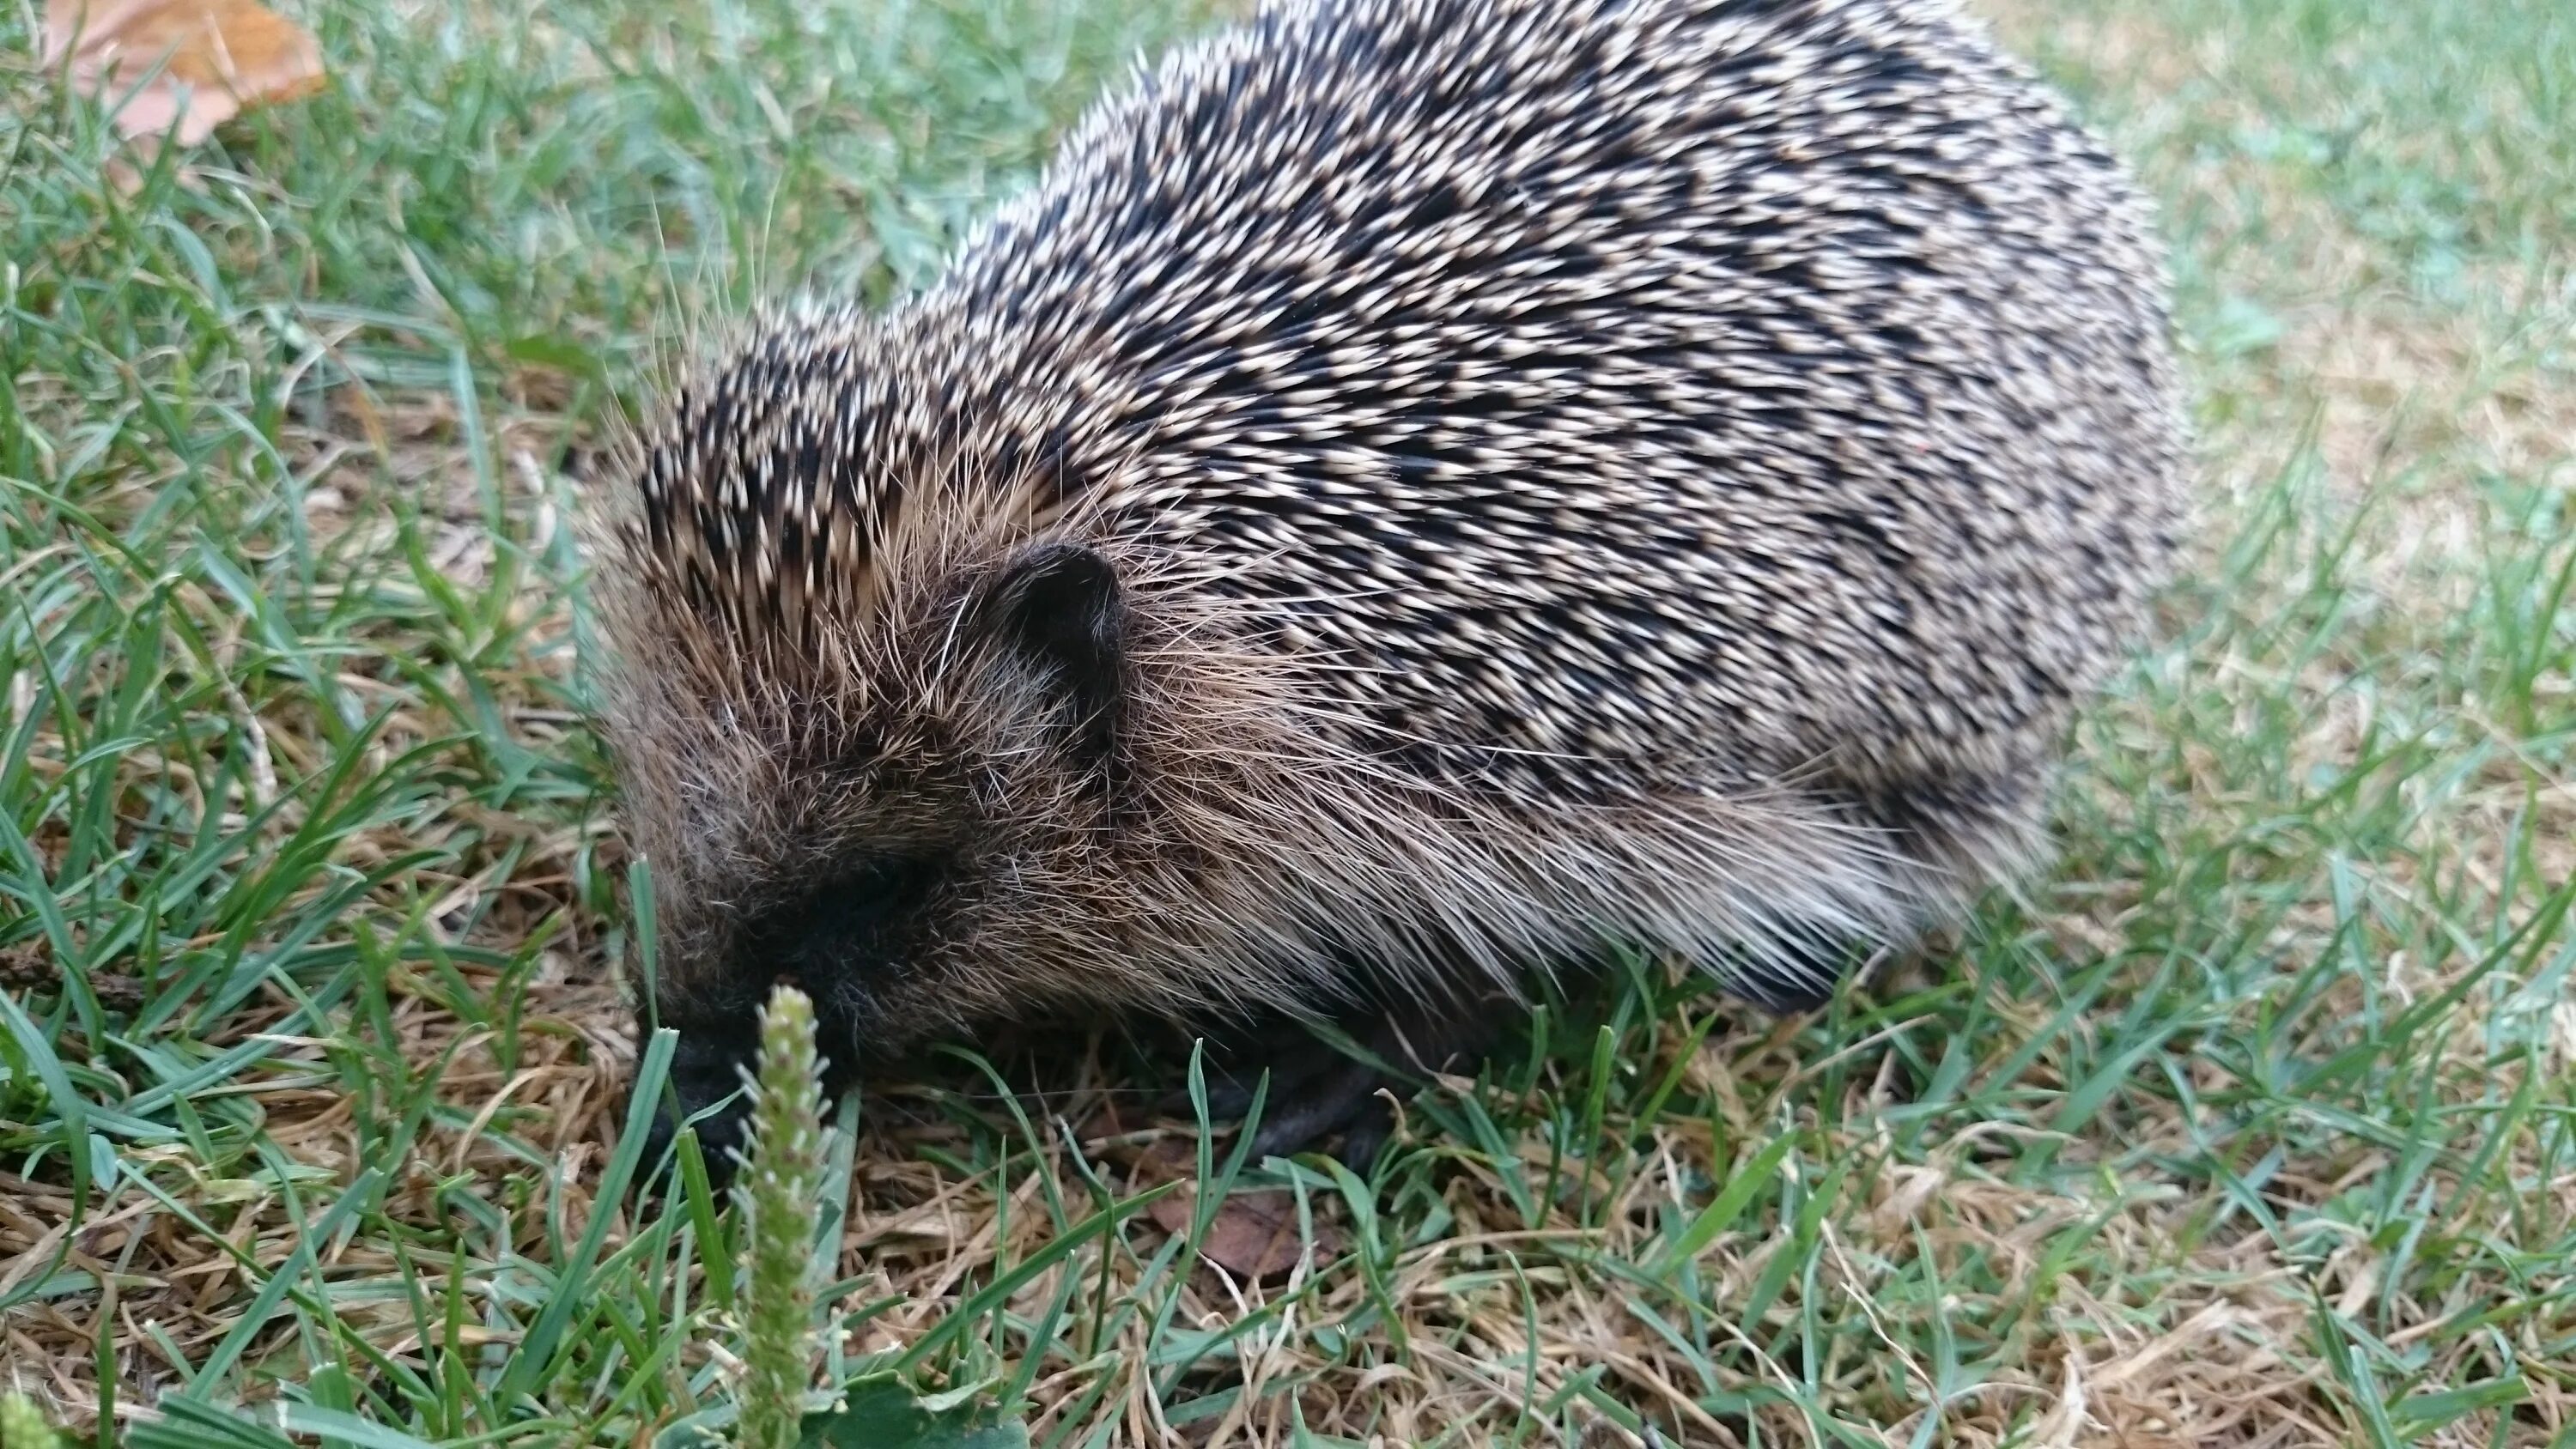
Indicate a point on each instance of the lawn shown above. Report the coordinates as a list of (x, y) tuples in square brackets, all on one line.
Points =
[(2253, 1122)]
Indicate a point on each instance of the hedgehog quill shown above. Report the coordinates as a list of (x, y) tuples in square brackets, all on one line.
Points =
[(1418, 494)]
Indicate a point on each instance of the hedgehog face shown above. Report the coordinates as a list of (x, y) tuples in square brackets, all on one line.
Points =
[(906, 856), (905, 865)]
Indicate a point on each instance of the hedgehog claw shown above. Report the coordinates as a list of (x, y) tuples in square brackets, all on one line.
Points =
[(1328, 1101), (1313, 1092), (1290, 1057), (1316, 1092), (1228, 1097), (1366, 1135)]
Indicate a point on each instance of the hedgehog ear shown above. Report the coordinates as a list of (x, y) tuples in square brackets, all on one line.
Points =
[(1060, 607)]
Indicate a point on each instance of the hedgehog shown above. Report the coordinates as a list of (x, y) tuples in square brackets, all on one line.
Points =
[(1418, 496)]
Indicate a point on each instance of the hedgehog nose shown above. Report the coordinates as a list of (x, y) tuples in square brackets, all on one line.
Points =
[(718, 1127)]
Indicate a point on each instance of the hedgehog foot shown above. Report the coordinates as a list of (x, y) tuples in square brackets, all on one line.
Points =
[(1316, 1091), (1284, 1051)]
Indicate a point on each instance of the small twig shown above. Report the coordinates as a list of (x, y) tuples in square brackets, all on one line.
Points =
[(30, 966)]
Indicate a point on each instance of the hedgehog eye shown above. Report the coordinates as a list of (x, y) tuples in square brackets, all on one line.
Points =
[(1060, 607)]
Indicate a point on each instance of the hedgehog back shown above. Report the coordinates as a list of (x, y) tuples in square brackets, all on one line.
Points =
[(1583, 399)]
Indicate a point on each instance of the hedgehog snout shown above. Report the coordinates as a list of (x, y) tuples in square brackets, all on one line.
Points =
[(707, 1092)]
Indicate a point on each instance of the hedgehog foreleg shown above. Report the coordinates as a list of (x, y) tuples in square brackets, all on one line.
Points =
[(1316, 1090)]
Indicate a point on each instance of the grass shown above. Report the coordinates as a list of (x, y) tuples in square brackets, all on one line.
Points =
[(2253, 1123)]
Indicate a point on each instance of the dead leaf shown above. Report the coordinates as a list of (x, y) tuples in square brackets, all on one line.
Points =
[(1254, 1234), (224, 57)]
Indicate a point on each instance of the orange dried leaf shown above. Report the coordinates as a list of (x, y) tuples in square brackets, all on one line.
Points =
[(1253, 1235), (223, 57)]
